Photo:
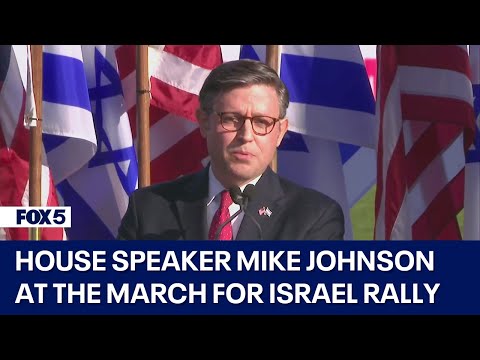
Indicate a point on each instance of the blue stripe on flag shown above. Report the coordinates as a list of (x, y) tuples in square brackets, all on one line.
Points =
[(59, 73), (86, 225), (248, 52), (320, 81), (473, 156), (476, 98)]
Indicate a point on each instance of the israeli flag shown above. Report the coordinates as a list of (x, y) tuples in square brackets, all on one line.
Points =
[(98, 190), (472, 167), (69, 134), (330, 145)]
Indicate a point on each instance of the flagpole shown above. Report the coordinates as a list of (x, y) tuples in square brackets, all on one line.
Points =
[(273, 60), (35, 126), (143, 116)]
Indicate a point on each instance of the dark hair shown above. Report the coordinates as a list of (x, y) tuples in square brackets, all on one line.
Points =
[(241, 73)]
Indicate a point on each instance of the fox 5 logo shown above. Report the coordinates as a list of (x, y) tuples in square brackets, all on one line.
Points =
[(38, 216)]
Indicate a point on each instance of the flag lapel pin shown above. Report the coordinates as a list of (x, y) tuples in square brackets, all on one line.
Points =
[(265, 211)]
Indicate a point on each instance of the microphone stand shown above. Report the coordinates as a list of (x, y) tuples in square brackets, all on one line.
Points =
[(244, 208)]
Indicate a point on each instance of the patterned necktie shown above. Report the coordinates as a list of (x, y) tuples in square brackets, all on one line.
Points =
[(221, 215)]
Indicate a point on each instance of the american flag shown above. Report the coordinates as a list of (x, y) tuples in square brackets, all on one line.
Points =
[(424, 105), (177, 73), (16, 103)]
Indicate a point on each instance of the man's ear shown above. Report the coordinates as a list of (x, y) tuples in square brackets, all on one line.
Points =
[(203, 122), (283, 130)]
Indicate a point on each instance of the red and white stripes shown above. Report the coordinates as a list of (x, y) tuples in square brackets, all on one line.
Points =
[(425, 109), (177, 73), (14, 144)]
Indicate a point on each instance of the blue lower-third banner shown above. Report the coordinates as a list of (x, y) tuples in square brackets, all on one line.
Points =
[(240, 277)]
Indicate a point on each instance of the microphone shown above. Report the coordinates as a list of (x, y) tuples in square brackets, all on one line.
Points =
[(248, 194), (236, 195), (242, 199)]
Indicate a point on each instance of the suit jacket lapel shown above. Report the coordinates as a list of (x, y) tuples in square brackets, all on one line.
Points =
[(268, 192), (191, 209)]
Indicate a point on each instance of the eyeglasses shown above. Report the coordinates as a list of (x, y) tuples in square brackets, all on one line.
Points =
[(261, 125)]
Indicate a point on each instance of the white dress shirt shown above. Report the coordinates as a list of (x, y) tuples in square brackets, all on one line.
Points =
[(213, 202)]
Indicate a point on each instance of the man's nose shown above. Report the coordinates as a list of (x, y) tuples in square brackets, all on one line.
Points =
[(246, 132)]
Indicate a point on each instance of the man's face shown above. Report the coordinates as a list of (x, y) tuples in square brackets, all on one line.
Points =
[(238, 157)]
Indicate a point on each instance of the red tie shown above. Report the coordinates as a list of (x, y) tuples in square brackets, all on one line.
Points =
[(220, 217)]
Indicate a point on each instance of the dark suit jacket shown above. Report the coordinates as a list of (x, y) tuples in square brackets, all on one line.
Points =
[(177, 210)]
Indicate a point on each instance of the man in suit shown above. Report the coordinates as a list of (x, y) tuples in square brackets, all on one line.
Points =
[(242, 111)]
